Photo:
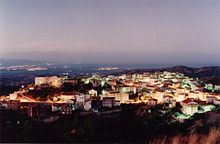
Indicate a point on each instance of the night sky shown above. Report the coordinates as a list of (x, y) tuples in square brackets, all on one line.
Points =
[(111, 31)]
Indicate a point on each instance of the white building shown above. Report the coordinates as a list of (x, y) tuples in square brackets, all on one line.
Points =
[(180, 97), (93, 92), (119, 96), (87, 104), (217, 87), (189, 106), (55, 107), (122, 76), (81, 99), (65, 97), (13, 96), (108, 101), (152, 102), (158, 95), (167, 99), (216, 101), (52, 81), (128, 89), (207, 107), (210, 99)]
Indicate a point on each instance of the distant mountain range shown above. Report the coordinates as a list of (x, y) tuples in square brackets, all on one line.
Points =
[(207, 74)]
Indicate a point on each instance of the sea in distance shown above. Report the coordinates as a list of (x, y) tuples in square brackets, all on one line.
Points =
[(57, 68)]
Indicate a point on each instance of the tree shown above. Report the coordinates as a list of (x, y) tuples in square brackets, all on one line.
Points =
[(67, 87)]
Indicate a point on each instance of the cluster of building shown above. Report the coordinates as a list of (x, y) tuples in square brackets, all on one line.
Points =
[(51, 81), (150, 89), (23, 67), (108, 68)]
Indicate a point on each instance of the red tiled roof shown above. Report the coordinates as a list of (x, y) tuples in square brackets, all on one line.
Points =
[(190, 101), (108, 97), (30, 97), (153, 99), (167, 96), (202, 102)]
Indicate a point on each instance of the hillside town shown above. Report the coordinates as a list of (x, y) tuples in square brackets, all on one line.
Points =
[(50, 97)]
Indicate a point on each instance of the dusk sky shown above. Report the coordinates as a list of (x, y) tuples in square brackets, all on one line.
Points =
[(111, 31)]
